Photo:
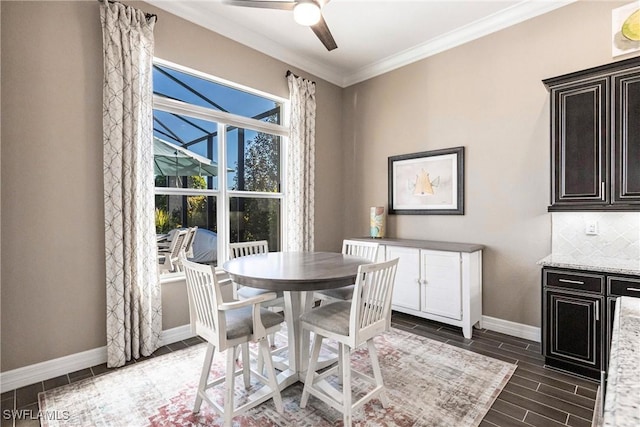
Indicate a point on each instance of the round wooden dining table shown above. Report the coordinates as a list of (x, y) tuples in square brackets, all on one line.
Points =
[(298, 275)]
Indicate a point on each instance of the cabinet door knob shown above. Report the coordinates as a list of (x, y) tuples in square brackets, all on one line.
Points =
[(424, 281)]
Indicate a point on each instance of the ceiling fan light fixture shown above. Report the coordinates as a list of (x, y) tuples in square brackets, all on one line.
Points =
[(306, 13)]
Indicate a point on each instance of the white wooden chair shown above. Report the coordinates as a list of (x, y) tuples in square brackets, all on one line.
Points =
[(351, 324), (241, 249), (169, 259), (363, 249), (225, 325)]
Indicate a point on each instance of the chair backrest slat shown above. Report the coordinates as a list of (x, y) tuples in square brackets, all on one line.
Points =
[(362, 249), (248, 248), (371, 303)]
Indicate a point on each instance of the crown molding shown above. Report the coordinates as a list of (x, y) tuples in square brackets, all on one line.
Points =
[(516, 14), (520, 12)]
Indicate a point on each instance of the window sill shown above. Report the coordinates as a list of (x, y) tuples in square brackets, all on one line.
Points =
[(172, 277)]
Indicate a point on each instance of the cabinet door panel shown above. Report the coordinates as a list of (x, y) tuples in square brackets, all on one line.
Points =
[(626, 173), (574, 328), (441, 289), (406, 291), (580, 120)]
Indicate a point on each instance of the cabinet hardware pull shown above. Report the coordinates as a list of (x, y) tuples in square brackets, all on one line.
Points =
[(577, 282), (633, 289), (602, 190), (597, 310)]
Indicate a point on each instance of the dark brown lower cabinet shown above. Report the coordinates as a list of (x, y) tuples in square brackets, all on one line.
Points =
[(574, 332), (578, 308), (573, 321)]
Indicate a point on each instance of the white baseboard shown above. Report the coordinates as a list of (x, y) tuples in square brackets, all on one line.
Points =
[(176, 334), (511, 328), (32, 374)]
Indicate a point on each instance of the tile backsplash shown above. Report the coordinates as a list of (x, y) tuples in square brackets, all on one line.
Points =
[(618, 234)]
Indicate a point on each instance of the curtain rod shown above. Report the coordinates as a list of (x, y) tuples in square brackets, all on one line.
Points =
[(147, 15), (289, 72)]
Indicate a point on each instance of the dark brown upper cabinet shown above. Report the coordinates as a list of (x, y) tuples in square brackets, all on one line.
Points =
[(626, 137), (595, 138)]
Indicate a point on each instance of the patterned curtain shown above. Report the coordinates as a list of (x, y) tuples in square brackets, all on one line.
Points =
[(134, 311), (301, 164)]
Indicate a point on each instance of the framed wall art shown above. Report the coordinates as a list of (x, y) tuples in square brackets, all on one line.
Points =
[(427, 183), (625, 25)]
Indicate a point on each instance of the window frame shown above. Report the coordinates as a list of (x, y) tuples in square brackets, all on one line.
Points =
[(223, 120)]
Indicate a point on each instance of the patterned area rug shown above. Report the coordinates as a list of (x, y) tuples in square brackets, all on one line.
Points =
[(428, 383)]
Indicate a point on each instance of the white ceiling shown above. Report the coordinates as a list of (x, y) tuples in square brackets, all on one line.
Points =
[(373, 36)]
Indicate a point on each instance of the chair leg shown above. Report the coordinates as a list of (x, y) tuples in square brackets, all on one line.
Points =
[(271, 374), (311, 369), (204, 377), (260, 362), (236, 354), (246, 365), (346, 384), (377, 372), (229, 387), (272, 340), (340, 362)]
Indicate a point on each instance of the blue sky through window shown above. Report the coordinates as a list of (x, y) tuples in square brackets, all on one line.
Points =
[(206, 93), (191, 132)]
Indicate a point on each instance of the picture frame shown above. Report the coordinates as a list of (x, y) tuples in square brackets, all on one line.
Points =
[(427, 183), (625, 38)]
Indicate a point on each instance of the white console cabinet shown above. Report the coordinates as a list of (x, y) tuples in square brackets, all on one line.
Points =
[(440, 281)]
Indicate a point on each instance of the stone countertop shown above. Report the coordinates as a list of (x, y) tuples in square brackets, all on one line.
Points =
[(426, 244), (591, 263), (622, 403)]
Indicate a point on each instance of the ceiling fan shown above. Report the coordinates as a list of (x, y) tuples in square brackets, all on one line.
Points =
[(305, 12)]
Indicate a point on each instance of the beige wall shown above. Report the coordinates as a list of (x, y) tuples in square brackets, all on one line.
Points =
[(487, 96), (53, 292), (53, 298)]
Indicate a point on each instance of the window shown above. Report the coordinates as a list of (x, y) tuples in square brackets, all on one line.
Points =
[(218, 161)]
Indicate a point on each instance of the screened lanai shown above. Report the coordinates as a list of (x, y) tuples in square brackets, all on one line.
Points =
[(201, 128)]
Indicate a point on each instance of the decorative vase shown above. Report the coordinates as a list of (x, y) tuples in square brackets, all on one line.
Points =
[(377, 223)]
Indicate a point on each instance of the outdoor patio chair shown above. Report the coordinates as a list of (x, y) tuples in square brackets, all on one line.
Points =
[(169, 259), (188, 241)]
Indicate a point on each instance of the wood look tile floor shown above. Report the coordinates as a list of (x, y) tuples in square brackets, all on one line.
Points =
[(534, 396)]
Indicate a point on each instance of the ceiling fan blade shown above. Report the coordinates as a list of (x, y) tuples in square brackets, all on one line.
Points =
[(280, 5), (322, 31)]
